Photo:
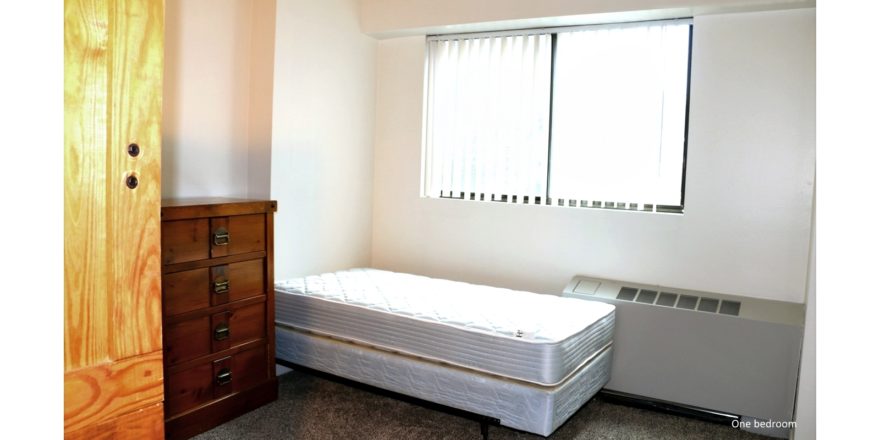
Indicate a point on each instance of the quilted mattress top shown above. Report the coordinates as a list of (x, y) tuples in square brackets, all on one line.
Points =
[(504, 313)]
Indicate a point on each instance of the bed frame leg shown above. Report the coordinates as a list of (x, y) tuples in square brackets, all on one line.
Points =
[(484, 429)]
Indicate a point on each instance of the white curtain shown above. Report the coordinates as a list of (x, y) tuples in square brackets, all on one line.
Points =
[(487, 121), (619, 113)]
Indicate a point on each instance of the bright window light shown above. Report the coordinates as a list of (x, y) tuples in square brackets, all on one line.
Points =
[(619, 97), (586, 116)]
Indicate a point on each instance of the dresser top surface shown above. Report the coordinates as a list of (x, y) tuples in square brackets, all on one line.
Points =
[(213, 206), (201, 201)]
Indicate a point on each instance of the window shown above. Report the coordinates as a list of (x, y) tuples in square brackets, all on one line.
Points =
[(590, 116)]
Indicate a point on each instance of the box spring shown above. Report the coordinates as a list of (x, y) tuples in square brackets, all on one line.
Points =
[(516, 404)]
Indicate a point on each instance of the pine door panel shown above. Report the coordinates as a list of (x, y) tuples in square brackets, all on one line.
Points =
[(113, 52)]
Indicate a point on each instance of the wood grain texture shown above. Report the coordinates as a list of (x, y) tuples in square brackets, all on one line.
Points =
[(247, 279), (175, 209), (186, 291), (173, 319), (185, 240), (189, 265), (113, 59), (195, 386), (147, 422), (86, 290), (137, 35), (189, 388), (188, 340), (109, 390), (247, 233), (172, 370), (190, 423), (270, 288), (113, 52), (247, 324)]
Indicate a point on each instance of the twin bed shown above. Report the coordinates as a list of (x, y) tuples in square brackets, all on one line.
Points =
[(528, 361)]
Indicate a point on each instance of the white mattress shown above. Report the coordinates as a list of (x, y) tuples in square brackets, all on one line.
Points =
[(515, 404), (526, 336)]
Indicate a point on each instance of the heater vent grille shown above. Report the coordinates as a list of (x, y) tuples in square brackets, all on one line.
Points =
[(729, 308), (686, 302), (667, 299), (646, 296), (627, 294)]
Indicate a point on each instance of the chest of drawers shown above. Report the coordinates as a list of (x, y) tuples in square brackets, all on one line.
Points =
[(217, 311)]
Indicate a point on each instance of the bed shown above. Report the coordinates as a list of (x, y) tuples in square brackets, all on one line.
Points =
[(528, 361)]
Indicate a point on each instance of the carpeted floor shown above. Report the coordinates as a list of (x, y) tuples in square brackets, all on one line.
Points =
[(311, 407)]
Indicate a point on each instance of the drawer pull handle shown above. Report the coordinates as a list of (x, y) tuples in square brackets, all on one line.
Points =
[(224, 377), (221, 286), (221, 237), (221, 332)]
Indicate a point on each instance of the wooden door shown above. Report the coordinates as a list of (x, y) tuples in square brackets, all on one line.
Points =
[(113, 55)]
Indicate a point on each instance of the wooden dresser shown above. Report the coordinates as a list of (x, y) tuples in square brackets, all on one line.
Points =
[(218, 311)]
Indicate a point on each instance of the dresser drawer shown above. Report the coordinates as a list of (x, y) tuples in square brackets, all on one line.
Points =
[(187, 340), (208, 334), (211, 380), (235, 281), (196, 289), (185, 240), (244, 324), (186, 291), (243, 234), (202, 238)]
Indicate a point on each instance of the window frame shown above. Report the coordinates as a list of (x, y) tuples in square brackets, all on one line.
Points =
[(545, 199)]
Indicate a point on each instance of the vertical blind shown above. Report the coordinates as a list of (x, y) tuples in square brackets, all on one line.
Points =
[(487, 120), (613, 129)]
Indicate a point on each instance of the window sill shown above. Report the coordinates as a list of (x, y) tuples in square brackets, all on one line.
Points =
[(563, 203)]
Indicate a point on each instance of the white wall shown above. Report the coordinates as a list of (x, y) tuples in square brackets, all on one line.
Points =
[(217, 93), (389, 18), (749, 182), (805, 411), (262, 83), (322, 155)]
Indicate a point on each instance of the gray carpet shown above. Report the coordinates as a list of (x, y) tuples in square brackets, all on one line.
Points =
[(310, 407)]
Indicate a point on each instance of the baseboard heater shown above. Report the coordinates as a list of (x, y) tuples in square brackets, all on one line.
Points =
[(702, 353)]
